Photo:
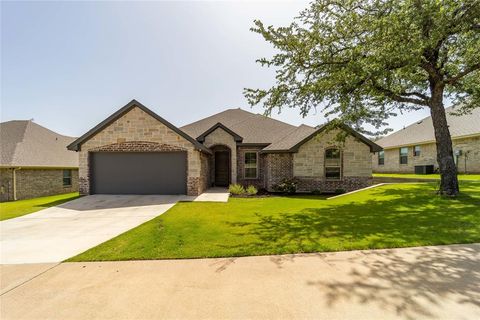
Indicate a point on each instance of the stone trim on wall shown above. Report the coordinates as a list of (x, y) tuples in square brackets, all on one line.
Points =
[(138, 131), (137, 146), (219, 137)]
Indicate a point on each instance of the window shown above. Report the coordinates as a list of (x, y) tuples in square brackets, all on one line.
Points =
[(404, 155), (250, 165), (67, 177), (381, 158), (416, 151), (333, 164)]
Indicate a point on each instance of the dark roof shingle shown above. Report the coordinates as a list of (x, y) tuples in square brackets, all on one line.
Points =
[(26, 144), (253, 128), (422, 131)]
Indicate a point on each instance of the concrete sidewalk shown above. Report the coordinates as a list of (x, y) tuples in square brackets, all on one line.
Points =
[(415, 283)]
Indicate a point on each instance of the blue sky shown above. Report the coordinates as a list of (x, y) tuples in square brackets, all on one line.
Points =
[(68, 65)]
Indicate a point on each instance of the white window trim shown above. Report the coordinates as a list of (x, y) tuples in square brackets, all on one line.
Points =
[(244, 164)]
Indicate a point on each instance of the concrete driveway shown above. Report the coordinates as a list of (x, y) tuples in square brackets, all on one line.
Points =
[(58, 233), (413, 283)]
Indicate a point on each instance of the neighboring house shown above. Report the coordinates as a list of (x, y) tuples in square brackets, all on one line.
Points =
[(34, 162), (415, 145), (136, 151)]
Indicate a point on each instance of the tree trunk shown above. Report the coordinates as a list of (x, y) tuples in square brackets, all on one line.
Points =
[(446, 163)]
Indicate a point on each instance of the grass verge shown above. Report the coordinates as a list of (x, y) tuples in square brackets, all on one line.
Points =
[(389, 216)]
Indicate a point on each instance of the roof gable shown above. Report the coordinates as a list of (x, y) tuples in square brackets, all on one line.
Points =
[(253, 128), (236, 137), (76, 145), (303, 135)]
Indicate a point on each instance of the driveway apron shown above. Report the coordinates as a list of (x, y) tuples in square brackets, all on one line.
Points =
[(58, 233)]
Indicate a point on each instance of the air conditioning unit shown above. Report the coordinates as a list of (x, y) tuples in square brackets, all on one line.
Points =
[(426, 169)]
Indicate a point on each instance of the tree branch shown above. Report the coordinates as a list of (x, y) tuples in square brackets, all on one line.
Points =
[(399, 98), (415, 93), (463, 73)]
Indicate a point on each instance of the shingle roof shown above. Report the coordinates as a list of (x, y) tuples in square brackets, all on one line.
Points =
[(27, 144), (302, 134), (422, 131), (253, 128), (258, 129), (291, 138)]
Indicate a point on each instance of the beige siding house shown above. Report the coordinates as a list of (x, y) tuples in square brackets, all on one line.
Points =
[(136, 151), (415, 145)]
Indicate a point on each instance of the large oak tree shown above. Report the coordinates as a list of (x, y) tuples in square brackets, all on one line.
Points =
[(364, 61)]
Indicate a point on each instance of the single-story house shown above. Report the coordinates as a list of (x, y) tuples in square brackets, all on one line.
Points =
[(137, 151), (34, 162), (415, 145)]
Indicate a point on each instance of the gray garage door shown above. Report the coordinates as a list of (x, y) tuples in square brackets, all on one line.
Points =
[(138, 172)]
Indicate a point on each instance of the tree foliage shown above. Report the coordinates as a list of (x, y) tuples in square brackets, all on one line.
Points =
[(363, 61)]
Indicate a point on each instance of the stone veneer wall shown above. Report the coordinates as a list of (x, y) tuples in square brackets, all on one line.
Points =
[(205, 169), (428, 156), (32, 183), (136, 126), (259, 182), (223, 138), (309, 160), (309, 163)]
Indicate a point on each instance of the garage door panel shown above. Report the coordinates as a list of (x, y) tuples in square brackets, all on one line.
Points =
[(139, 172)]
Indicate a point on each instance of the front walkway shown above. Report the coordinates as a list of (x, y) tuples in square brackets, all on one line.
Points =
[(414, 283), (214, 195)]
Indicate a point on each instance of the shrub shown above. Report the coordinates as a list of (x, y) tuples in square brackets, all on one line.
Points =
[(288, 186), (251, 190), (316, 191), (340, 191), (236, 189)]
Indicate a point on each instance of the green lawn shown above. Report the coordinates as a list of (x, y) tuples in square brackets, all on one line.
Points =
[(13, 209), (461, 177), (389, 216)]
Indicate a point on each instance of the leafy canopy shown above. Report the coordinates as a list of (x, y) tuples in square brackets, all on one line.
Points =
[(363, 61)]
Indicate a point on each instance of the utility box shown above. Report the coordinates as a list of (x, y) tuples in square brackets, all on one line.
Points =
[(427, 169)]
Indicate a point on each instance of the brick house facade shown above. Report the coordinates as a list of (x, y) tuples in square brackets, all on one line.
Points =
[(26, 183), (34, 162), (468, 160), (417, 143), (232, 147)]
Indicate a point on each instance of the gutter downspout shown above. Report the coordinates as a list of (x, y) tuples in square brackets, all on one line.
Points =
[(15, 183)]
